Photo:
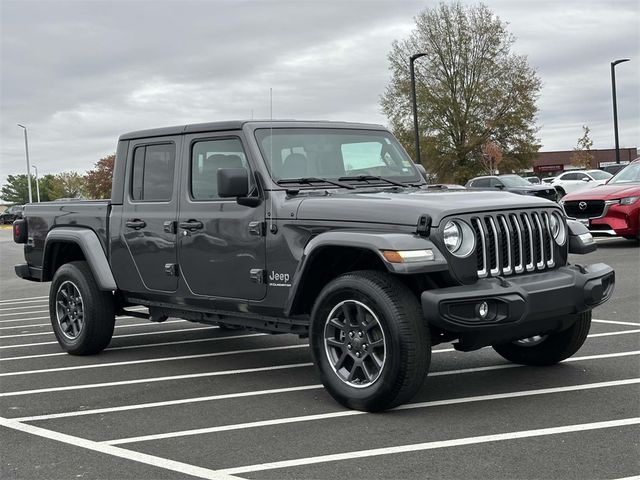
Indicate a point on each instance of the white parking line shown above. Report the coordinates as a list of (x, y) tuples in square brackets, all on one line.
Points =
[(50, 332), (145, 324), (153, 360), (615, 322), (285, 367), (349, 413), (608, 334), (116, 336), (27, 299), (432, 445), (19, 308), (166, 403), (145, 345), (157, 379), (24, 319), (23, 313), (159, 462)]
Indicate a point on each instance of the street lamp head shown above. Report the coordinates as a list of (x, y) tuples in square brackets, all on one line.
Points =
[(22, 126), (622, 60), (415, 56)]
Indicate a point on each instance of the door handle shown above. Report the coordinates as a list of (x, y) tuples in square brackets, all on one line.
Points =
[(136, 224), (191, 225)]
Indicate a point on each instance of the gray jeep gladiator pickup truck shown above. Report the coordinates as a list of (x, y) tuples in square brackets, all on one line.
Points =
[(320, 229)]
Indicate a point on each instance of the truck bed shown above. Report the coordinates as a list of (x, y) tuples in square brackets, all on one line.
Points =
[(45, 216)]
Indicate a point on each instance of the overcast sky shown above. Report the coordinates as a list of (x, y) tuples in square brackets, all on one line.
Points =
[(79, 74)]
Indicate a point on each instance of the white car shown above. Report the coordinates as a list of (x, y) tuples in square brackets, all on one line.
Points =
[(572, 181)]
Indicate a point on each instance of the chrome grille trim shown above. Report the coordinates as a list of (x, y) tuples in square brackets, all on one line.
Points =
[(482, 271), (519, 268), (530, 266), (494, 231), (540, 264), (550, 261), (508, 268), (513, 243)]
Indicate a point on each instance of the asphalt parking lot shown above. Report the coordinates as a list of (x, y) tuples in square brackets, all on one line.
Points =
[(184, 400)]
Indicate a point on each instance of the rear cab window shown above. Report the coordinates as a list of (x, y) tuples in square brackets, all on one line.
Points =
[(152, 172)]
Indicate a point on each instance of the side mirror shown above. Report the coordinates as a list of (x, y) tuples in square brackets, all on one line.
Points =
[(422, 170), (499, 186), (586, 179), (233, 182)]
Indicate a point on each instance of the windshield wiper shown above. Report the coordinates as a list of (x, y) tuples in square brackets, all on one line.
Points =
[(311, 180), (364, 178)]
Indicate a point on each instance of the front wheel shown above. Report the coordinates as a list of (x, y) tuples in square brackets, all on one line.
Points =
[(547, 349), (81, 314), (369, 341)]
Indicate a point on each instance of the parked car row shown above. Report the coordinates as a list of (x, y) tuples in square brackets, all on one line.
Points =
[(11, 214), (511, 183), (612, 209)]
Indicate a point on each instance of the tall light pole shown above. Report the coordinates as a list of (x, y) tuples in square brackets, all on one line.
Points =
[(26, 149), (414, 101), (37, 182), (615, 104)]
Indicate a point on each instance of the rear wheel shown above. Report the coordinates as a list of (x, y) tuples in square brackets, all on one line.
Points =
[(82, 315), (369, 341), (548, 349)]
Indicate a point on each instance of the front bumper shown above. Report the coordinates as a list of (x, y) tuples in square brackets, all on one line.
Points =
[(519, 307)]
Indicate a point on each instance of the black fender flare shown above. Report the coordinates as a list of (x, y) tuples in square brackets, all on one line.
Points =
[(375, 242), (90, 245)]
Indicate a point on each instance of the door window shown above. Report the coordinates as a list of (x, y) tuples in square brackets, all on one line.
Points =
[(207, 157), (153, 169), (482, 182)]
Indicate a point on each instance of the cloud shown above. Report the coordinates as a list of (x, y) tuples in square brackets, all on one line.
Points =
[(79, 74)]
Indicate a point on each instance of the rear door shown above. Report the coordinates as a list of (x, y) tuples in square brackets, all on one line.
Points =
[(221, 244), (149, 211)]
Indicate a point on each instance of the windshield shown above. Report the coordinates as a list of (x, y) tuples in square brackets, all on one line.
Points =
[(629, 174), (514, 181), (295, 153), (600, 174)]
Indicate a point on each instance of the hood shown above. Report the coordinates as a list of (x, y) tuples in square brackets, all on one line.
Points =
[(532, 188), (605, 192), (404, 207)]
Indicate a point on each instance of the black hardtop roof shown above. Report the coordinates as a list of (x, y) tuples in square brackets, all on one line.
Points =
[(238, 124)]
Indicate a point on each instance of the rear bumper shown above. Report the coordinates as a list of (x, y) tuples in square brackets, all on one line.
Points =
[(518, 307), (26, 272)]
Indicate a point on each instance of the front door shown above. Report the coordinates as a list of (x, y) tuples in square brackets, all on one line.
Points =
[(149, 212), (221, 245)]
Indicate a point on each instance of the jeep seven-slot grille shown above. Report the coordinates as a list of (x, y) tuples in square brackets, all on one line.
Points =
[(513, 243)]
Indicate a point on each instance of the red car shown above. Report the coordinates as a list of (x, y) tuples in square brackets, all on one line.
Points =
[(612, 209)]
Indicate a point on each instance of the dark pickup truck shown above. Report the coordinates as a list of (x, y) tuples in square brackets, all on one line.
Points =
[(320, 229)]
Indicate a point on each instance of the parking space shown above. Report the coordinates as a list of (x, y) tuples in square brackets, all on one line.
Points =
[(186, 400)]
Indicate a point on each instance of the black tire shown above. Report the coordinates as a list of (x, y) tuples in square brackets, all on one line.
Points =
[(548, 349), (394, 326), (90, 328)]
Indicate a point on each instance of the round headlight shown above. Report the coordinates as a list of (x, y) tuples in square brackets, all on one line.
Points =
[(452, 236), (558, 228), (459, 238), (554, 225)]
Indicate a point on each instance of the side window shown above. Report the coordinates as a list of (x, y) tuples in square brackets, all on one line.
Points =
[(569, 176), (494, 182), (207, 157), (482, 183), (153, 169), (582, 176)]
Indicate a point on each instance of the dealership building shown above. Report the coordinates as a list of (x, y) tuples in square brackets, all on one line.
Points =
[(553, 163)]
